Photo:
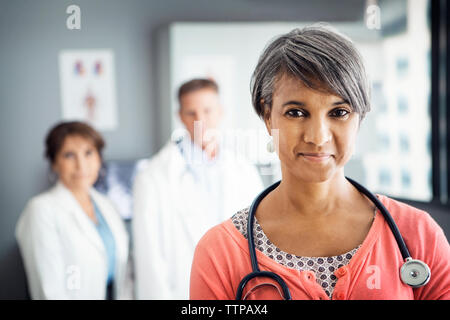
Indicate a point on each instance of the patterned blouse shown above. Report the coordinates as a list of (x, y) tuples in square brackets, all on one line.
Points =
[(323, 267)]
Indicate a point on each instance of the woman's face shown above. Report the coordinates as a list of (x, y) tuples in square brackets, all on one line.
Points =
[(77, 163), (317, 130)]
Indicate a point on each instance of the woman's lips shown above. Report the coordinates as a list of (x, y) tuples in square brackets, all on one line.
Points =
[(81, 176), (316, 157)]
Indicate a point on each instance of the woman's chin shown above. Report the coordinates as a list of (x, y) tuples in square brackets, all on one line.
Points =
[(314, 176), (80, 184)]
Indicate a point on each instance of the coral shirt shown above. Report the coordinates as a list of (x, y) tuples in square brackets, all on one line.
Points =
[(222, 259)]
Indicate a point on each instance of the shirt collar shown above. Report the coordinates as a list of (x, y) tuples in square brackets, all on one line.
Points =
[(193, 154)]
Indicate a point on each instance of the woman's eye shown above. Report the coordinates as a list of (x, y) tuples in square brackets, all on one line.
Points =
[(89, 152), (295, 113), (68, 155), (339, 113)]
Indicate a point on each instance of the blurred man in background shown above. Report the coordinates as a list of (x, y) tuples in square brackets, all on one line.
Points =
[(189, 186)]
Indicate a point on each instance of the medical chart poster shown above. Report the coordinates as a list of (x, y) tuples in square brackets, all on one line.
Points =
[(88, 92)]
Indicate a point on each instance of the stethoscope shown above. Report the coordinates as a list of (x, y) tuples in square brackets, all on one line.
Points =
[(413, 272)]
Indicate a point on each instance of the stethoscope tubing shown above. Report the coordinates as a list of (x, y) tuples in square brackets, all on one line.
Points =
[(387, 216), (267, 274), (408, 272), (250, 223)]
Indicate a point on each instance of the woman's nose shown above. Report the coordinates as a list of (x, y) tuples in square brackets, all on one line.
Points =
[(317, 132), (80, 162)]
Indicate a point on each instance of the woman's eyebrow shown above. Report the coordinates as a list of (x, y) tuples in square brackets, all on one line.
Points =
[(293, 102), (302, 104), (337, 103)]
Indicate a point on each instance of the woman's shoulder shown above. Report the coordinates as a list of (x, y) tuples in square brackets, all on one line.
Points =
[(40, 202), (38, 210), (240, 221), (222, 251), (55, 197), (426, 241), (408, 216), (418, 228), (226, 233)]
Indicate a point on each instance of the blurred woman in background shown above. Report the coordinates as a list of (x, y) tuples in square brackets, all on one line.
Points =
[(73, 242)]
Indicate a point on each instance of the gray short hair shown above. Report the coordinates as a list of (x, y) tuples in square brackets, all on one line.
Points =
[(318, 56)]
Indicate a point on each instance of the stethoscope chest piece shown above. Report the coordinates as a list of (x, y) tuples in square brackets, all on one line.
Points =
[(415, 273)]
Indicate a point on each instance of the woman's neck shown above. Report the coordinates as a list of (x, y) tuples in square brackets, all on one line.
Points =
[(313, 199), (81, 194), (83, 198)]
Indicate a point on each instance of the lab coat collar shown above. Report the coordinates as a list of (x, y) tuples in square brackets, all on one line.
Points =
[(191, 158), (194, 155), (182, 180), (67, 201)]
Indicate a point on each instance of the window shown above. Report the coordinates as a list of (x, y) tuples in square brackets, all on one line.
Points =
[(402, 143), (402, 103), (406, 179), (402, 47), (402, 67), (385, 177)]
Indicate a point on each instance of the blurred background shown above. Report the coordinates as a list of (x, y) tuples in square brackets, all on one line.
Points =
[(147, 48)]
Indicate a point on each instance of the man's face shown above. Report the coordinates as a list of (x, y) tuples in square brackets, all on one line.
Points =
[(200, 110)]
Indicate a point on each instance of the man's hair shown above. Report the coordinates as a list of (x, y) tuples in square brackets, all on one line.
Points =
[(197, 84), (319, 57)]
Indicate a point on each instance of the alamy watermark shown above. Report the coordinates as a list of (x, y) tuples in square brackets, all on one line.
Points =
[(242, 145), (374, 280), (73, 21), (73, 277), (372, 15)]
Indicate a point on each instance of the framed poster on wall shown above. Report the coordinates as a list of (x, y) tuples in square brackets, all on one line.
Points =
[(88, 93)]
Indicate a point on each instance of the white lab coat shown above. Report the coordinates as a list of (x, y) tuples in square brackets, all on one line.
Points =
[(63, 254), (170, 217)]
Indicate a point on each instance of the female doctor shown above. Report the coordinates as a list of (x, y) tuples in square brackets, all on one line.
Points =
[(316, 234), (72, 240)]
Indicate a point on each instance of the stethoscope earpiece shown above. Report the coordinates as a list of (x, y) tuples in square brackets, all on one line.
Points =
[(415, 273)]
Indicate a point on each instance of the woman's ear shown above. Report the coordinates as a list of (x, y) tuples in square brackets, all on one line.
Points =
[(267, 116), (54, 168), (359, 121)]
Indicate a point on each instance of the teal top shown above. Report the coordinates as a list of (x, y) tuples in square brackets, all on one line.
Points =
[(108, 240)]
